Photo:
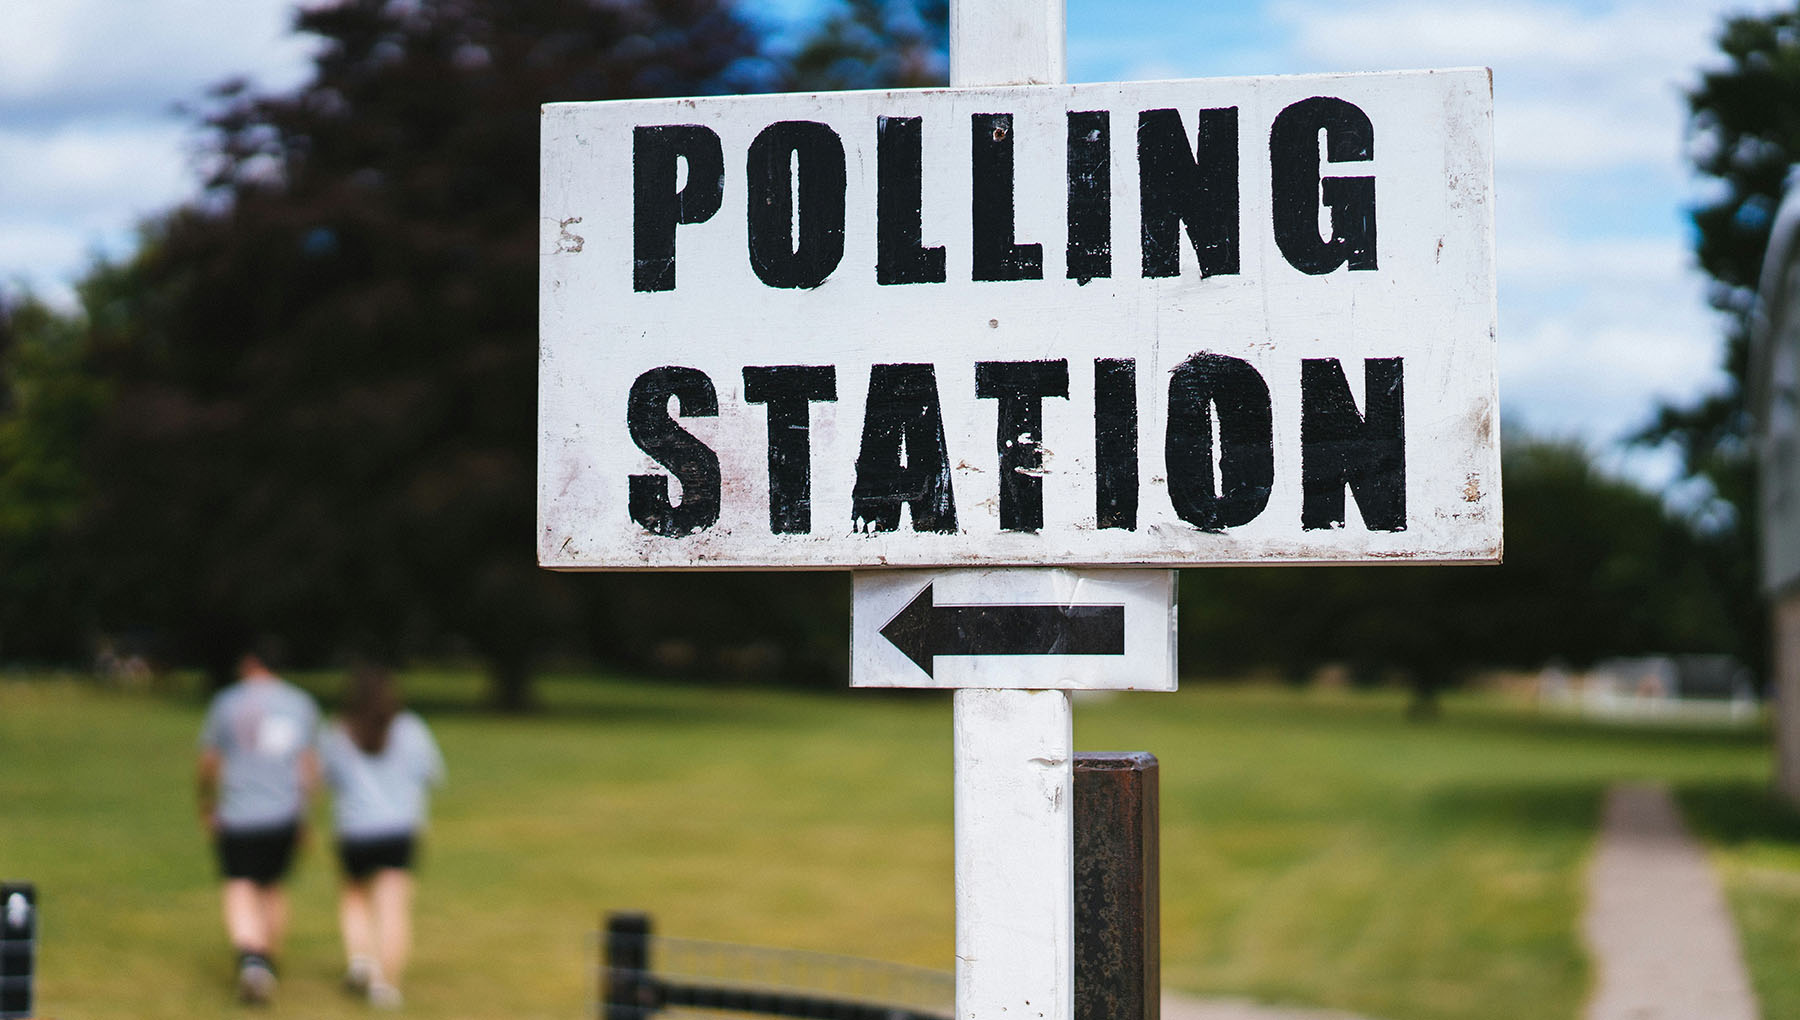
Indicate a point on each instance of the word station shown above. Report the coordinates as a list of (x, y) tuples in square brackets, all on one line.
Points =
[(829, 331), (832, 331)]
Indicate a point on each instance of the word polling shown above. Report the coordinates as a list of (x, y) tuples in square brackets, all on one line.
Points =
[(1166, 323)]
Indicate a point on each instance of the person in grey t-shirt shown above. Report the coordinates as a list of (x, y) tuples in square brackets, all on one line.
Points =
[(257, 771), (379, 761)]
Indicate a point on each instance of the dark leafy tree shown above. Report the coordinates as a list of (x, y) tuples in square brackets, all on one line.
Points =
[(788, 625), (870, 44), (1744, 133), (324, 369), (48, 403), (306, 406), (1595, 567)]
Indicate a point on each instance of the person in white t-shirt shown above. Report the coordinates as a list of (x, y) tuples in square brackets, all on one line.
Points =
[(379, 761), (257, 770)]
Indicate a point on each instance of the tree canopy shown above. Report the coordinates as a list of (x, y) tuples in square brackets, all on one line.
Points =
[(47, 407), (1743, 134), (1595, 567), (324, 368), (305, 407), (307, 402)]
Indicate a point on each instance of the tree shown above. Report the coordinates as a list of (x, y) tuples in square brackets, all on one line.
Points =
[(324, 368), (47, 407), (788, 624), (1744, 132), (1595, 567), (870, 44)]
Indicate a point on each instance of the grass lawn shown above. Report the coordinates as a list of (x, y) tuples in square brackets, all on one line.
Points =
[(1757, 848), (1317, 849)]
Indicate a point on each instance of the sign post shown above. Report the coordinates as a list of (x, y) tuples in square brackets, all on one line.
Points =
[(1011, 352), (1014, 748)]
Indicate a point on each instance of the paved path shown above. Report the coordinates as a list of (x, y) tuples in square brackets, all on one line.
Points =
[(1663, 941)]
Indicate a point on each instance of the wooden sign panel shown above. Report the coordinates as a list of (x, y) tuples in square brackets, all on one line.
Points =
[(1154, 324)]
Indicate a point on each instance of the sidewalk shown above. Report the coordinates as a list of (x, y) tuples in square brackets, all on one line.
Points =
[(1663, 942)]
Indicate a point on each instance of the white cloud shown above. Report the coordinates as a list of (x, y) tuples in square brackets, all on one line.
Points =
[(1572, 88), (1617, 41), (1540, 259), (1599, 376), (1602, 313), (78, 168), (32, 47), (58, 53), (29, 249), (79, 190), (90, 141), (1558, 135), (1594, 332)]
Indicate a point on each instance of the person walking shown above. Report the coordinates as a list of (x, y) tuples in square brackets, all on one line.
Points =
[(380, 762), (257, 771)]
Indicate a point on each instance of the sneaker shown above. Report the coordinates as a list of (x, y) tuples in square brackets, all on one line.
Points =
[(256, 979), (383, 995), (359, 975)]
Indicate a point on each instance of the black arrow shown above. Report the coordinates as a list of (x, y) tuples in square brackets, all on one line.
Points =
[(924, 630)]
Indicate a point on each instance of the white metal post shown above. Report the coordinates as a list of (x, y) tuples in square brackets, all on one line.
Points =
[(1007, 42), (1015, 837), (1015, 855)]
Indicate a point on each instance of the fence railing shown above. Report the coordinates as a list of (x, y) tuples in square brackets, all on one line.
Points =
[(1118, 941), (644, 974), (18, 948)]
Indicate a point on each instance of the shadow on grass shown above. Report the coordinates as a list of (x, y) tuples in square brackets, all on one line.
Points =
[(597, 708), (1385, 711), (626, 700), (1725, 813), (561, 700), (1600, 732), (1572, 807), (1735, 812)]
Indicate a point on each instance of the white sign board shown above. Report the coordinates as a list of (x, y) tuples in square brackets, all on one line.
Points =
[(1152, 324), (1021, 628)]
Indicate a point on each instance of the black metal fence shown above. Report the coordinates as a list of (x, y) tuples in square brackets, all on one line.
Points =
[(644, 974), (1118, 941), (18, 948)]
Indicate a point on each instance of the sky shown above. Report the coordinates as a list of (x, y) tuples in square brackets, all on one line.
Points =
[(1602, 313)]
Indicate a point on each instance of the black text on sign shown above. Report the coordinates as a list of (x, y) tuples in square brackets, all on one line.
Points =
[(1162, 323)]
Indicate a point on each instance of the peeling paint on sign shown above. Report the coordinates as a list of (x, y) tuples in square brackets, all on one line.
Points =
[(1145, 324)]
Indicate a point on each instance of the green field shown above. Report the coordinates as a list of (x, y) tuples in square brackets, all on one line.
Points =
[(1317, 849)]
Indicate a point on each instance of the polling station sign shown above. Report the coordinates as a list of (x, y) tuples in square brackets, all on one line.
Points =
[(1157, 323)]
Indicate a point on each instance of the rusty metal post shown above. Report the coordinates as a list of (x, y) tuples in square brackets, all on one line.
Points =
[(1118, 941), (626, 989)]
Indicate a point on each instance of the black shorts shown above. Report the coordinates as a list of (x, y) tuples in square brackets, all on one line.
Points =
[(364, 857), (261, 855)]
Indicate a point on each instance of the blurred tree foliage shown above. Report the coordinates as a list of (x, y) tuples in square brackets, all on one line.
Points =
[(1595, 566), (306, 406), (323, 370), (874, 44), (319, 377), (1744, 133), (48, 404)]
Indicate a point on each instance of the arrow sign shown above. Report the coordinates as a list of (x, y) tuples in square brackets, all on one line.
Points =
[(1028, 628), (924, 630)]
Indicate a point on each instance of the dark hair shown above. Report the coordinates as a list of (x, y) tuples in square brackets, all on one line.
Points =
[(370, 706)]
